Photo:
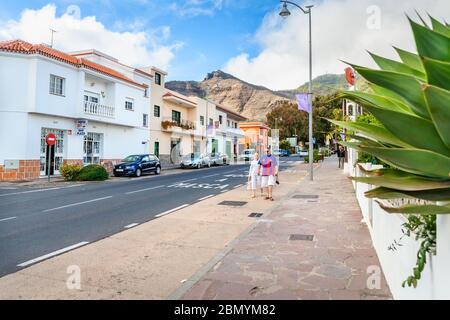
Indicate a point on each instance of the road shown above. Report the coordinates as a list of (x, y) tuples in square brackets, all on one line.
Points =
[(36, 224)]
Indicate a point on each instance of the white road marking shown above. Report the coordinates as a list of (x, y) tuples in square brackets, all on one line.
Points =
[(212, 175), (7, 219), (77, 204), (171, 210), (39, 190), (52, 254), (189, 180), (141, 190), (201, 199), (222, 180), (131, 225)]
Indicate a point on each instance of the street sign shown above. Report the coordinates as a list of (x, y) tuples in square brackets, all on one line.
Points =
[(50, 139), (81, 127)]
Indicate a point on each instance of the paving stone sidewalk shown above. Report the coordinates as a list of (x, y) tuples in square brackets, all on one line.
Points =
[(265, 264)]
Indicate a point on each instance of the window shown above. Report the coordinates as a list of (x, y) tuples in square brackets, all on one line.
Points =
[(146, 93), (157, 111), (220, 119), (145, 120), (57, 85), (92, 148), (211, 121), (202, 120), (129, 104), (176, 116), (228, 123), (158, 78), (235, 125), (145, 159)]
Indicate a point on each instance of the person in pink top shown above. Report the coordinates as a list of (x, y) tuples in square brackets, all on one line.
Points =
[(268, 167)]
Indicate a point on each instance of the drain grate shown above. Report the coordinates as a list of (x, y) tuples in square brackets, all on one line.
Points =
[(255, 215), (303, 237), (233, 203), (306, 196)]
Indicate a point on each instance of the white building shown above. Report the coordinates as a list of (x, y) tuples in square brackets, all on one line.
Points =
[(43, 90)]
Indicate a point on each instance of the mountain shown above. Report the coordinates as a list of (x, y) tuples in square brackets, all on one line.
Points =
[(250, 100)]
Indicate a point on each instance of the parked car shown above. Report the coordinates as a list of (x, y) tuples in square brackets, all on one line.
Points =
[(219, 158), (284, 153), (303, 153), (136, 165), (247, 154), (195, 160)]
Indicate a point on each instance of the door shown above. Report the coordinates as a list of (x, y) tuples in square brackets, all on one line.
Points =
[(152, 164), (92, 148), (215, 146), (145, 163), (228, 149), (156, 149), (51, 155)]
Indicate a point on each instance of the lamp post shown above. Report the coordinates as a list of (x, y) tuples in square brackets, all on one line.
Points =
[(286, 13)]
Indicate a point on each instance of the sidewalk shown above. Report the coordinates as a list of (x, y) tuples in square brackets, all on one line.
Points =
[(265, 264)]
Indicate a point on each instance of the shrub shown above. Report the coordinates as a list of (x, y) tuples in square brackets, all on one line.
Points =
[(69, 172), (93, 172), (316, 157)]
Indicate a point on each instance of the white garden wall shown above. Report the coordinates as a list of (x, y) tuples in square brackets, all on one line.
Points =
[(397, 265)]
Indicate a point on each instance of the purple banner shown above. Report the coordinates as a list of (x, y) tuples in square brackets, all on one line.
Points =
[(303, 102)]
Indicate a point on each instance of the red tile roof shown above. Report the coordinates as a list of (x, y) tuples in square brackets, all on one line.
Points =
[(20, 46)]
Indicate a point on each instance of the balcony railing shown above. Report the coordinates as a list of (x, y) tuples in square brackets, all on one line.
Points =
[(168, 124), (99, 109)]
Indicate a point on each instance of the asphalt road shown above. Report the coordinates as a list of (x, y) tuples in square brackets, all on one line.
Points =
[(36, 224)]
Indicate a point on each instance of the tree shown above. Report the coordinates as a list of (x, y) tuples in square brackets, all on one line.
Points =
[(292, 122)]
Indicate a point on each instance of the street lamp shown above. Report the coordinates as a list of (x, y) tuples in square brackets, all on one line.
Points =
[(286, 13)]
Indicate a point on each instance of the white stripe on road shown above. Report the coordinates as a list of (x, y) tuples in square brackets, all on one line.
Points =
[(212, 175), (221, 180), (52, 254), (39, 190), (204, 198), (77, 204), (188, 180), (6, 219), (131, 225), (141, 190), (171, 210)]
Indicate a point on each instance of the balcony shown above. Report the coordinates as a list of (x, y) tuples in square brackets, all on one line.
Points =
[(182, 126), (100, 110)]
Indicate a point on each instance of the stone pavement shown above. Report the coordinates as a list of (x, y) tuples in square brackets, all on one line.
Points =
[(265, 264)]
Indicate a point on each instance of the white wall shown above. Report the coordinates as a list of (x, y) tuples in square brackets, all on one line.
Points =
[(398, 265)]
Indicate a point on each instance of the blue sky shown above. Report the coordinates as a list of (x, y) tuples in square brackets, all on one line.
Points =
[(246, 38), (211, 32)]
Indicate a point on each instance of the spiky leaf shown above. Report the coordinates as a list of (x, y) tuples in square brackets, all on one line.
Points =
[(417, 209), (438, 73), (430, 43), (430, 195), (411, 59), (438, 102), (395, 66)]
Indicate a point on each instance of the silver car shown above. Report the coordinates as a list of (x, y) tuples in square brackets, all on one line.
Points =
[(195, 160)]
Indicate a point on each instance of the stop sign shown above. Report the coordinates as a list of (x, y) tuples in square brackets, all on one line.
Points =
[(50, 139)]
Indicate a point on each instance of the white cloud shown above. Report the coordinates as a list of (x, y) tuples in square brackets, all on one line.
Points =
[(340, 31), (75, 32), (193, 8)]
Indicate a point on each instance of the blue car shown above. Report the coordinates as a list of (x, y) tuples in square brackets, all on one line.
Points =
[(136, 165), (284, 153)]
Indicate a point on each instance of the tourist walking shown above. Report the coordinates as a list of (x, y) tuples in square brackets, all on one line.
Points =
[(254, 180), (269, 170), (341, 156)]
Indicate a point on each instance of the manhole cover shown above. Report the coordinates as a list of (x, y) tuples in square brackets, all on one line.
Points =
[(255, 215), (304, 237), (233, 203), (305, 196)]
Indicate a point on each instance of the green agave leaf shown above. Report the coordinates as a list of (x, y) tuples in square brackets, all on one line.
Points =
[(439, 27), (430, 43), (423, 135), (417, 161), (405, 184), (417, 209), (408, 87), (422, 20), (392, 96), (373, 131), (392, 65), (365, 141), (438, 73), (374, 99), (411, 59), (438, 102), (430, 195)]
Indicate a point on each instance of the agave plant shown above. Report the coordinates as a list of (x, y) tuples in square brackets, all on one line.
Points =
[(411, 100)]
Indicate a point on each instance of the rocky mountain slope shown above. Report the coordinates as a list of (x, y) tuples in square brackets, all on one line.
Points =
[(252, 101)]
